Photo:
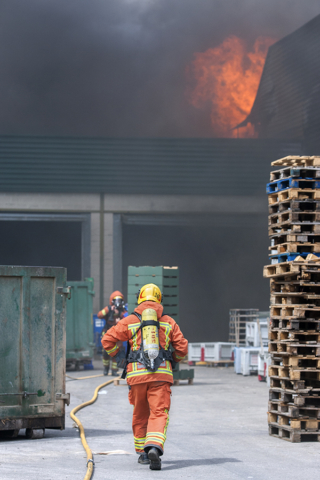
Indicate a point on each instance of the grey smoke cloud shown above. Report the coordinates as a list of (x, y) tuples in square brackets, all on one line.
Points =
[(117, 67)]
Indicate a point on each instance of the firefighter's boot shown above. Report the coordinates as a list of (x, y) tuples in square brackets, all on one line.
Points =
[(143, 459), (154, 457), (105, 370), (114, 368)]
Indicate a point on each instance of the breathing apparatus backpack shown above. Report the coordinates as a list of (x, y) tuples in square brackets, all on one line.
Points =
[(150, 354)]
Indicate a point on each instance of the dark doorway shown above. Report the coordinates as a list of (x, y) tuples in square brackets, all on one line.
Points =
[(220, 268), (42, 243)]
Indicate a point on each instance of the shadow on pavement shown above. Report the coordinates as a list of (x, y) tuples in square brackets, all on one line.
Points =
[(194, 463)]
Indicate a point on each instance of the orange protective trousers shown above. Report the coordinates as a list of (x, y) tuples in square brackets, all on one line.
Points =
[(151, 402)]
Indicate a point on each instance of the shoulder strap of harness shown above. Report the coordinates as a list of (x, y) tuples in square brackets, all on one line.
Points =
[(124, 373)]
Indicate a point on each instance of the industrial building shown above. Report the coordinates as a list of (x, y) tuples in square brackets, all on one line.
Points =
[(97, 205)]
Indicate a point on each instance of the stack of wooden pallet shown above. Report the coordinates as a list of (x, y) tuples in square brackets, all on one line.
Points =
[(294, 335), (238, 318)]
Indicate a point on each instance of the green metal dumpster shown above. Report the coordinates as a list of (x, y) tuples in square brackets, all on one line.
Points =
[(167, 279), (80, 344), (32, 349)]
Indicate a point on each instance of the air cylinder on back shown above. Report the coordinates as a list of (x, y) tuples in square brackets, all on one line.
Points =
[(150, 336)]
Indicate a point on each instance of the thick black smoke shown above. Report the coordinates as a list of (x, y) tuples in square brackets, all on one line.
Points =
[(117, 67)]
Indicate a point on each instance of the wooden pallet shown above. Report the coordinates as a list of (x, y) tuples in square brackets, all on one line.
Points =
[(294, 247), (293, 193), (300, 286), (295, 336), (281, 238), (294, 206), (294, 324), (297, 161), (288, 217), (300, 387), (282, 348), (299, 267), (295, 298), (296, 311), (296, 361), (293, 436), (303, 423), (302, 172), (281, 269), (289, 373), (290, 410), (294, 227), (288, 395), (298, 206)]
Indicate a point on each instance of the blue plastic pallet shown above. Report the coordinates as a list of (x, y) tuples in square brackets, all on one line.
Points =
[(288, 257), (286, 183)]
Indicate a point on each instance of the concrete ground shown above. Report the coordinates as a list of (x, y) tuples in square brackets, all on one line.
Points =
[(218, 429)]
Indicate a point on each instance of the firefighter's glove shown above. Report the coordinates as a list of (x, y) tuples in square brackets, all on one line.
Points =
[(121, 359)]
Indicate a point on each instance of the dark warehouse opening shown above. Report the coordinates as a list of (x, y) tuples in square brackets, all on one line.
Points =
[(42, 243), (218, 270)]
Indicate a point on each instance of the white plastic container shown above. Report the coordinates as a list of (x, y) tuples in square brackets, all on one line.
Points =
[(194, 352), (237, 360), (252, 334), (210, 352), (218, 351), (249, 360)]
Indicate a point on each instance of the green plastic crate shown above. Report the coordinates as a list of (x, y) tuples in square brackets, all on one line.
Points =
[(167, 279)]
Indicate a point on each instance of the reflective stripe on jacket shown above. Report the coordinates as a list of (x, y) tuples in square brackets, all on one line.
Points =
[(169, 333)]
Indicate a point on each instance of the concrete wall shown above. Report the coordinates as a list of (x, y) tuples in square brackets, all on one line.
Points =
[(103, 252)]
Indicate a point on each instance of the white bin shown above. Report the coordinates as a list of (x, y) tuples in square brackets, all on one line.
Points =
[(249, 360), (218, 351), (237, 359), (252, 334), (210, 352), (194, 352)]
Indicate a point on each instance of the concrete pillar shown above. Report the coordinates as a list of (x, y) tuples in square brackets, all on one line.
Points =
[(117, 252), (111, 260), (95, 259), (108, 256)]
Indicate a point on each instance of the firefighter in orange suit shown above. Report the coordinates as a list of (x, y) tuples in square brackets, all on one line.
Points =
[(149, 379), (111, 314)]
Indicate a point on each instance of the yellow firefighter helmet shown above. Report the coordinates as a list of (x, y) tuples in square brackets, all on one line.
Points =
[(150, 292)]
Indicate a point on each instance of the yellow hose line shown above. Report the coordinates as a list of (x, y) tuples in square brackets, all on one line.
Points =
[(90, 463), (84, 378)]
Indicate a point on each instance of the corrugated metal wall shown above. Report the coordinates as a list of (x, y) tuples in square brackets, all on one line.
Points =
[(138, 166), (287, 102)]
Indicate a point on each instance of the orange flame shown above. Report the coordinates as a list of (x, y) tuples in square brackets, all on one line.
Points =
[(228, 77)]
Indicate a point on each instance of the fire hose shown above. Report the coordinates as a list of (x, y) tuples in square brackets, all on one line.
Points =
[(90, 462), (84, 378)]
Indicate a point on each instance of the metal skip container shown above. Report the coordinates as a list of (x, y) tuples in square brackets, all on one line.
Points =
[(80, 345), (32, 349)]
